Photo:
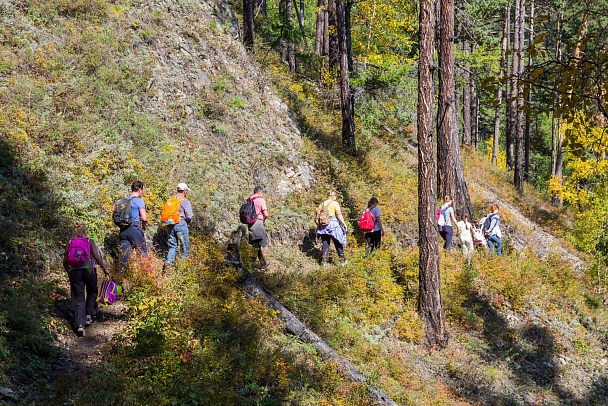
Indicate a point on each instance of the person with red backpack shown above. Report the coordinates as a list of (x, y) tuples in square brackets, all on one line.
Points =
[(78, 263), (177, 214), (373, 236)]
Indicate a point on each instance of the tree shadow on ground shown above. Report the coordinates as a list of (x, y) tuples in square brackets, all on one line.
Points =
[(34, 235), (531, 353)]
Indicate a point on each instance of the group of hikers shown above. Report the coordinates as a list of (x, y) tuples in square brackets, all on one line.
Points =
[(486, 232), (130, 215), (81, 253)]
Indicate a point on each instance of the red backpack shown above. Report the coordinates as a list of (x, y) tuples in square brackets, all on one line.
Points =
[(79, 252), (366, 221)]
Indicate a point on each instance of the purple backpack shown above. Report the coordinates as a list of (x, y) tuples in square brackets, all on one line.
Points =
[(108, 292), (79, 252)]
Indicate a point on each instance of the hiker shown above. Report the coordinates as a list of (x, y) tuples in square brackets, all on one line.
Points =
[(491, 228), (334, 231), (257, 232), (374, 237), (446, 230), (78, 263), (178, 232), (133, 236), (465, 230)]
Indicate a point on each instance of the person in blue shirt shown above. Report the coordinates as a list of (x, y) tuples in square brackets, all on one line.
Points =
[(133, 236)]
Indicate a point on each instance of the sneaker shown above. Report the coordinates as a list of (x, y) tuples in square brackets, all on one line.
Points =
[(344, 263), (80, 331), (264, 267), (326, 265), (89, 321)]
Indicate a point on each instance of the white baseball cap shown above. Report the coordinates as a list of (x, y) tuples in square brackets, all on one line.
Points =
[(182, 186)]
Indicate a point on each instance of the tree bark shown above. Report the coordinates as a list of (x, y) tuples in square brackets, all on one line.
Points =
[(248, 15), (474, 113), (288, 48), (254, 289), (518, 173), (466, 99), (430, 304), (503, 62), (321, 28), (555, 121), (333, 50), (529, 102), (346, 101), (511, 94)]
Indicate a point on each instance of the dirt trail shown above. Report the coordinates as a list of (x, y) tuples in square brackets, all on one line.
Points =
[(83, 353)]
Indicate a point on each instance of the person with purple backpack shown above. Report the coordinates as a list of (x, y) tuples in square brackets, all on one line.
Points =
[(79, 259)]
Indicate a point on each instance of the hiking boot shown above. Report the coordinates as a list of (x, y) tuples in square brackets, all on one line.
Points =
[(80, 331), (89, 321)]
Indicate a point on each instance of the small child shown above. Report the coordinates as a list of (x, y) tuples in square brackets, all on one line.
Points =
[(465, 230)]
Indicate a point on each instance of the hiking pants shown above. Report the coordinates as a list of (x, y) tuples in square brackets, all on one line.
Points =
[(178, 234), (131, 237), (447, 233), (373, 240), (81, 279), (326, 238), (494, 240)]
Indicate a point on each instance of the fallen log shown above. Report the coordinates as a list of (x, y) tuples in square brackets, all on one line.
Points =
[(254, 288)]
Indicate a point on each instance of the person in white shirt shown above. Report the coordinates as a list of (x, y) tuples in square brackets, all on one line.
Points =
[(465, 230)]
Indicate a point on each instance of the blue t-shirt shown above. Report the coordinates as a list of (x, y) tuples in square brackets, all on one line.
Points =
[(375, 214), (136, 204)]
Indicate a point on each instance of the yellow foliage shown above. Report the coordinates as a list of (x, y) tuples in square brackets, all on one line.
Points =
[(409, 327), (501, 159)]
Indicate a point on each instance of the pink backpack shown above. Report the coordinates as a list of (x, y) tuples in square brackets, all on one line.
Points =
[(79, 252), (366, 221)]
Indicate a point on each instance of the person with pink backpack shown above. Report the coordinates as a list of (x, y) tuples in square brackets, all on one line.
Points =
[(78, 261), (375, 230)]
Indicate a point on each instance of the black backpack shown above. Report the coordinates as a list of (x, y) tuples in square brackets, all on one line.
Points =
[(122, 212), (247, 213), (487, 223)]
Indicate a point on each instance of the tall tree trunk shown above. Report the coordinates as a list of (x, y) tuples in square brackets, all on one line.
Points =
[(466, 98), (321, 29), (288, 48), (511, 95), (445, 52), (333, 50), (503, 62), (346, 102), (248, 15), (518, 173), (529, 103), (349, 37), (555, 120), (430, 303), (474, 113)]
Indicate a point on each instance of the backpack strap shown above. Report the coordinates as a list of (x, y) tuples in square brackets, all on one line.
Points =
[(492, 217)]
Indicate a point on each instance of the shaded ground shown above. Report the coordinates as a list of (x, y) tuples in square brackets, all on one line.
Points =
[(82, 353)]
